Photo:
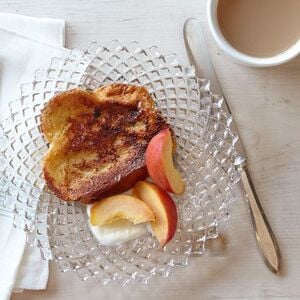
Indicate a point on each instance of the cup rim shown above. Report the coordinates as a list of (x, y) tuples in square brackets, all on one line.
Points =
[(243, 58)]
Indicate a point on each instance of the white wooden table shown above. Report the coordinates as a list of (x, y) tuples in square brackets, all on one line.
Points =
[(266, 106)]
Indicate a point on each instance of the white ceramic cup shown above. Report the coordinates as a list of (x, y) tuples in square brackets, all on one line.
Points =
[(243, 58)]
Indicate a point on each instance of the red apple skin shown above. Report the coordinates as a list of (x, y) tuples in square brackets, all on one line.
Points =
[(154, 157), (163, 207)]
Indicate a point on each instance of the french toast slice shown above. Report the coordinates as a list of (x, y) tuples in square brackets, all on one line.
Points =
[(98, 140)]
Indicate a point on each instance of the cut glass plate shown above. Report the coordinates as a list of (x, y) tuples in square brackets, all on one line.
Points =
[(205, 155)]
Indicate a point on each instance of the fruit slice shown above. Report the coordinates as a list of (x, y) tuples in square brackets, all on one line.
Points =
[(160, 165), (110, 209), (163, 207)]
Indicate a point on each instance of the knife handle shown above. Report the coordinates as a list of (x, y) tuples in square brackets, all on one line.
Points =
[(265, 238)]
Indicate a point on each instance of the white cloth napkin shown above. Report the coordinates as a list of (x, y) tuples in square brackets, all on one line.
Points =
[(26, 44)]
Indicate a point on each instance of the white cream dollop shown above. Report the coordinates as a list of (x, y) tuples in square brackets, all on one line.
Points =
[(118, 232)]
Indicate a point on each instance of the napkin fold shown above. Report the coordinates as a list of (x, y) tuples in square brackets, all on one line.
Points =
[(21, 54), (45, 30), (12, 246), (27, 44)]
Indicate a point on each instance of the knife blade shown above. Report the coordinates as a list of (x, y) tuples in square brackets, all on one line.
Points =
[(199, 56)]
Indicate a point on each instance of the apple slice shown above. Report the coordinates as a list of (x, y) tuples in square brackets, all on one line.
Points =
[(163, 207), (160, 165), (117, 207)]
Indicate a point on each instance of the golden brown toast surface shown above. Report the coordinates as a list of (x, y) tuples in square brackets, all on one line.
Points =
[(98, 140)]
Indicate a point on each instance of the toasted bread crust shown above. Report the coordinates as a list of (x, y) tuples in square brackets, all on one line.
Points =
[(98, 140)]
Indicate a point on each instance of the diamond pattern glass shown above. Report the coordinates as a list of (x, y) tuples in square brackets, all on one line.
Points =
[(205, 155)]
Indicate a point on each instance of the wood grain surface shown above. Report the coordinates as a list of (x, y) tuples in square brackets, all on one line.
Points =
[(266, 106)]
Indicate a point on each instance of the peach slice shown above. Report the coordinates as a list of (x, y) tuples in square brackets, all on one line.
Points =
[(163, 207), (118, 207), (160, 165)]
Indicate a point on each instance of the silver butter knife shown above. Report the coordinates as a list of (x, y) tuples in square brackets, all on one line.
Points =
[(199, 57)]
